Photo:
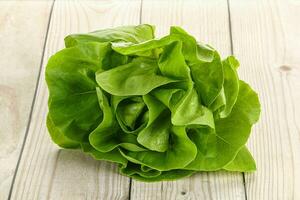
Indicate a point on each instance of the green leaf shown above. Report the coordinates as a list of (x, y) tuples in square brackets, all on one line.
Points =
[(139, 170), (161, 108), (209, 79), (243, 162), (59, 138), (231, 133), (172, 62), (73, 103), (113, 156), (155, 136), (231, 84), (191, 112), (108, 135), (180, 152), (193, 52), (133, 34), (135, 171), (136, 78), (130, 110)]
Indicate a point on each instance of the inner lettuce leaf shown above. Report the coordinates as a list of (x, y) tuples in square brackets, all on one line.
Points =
[(161, 108)]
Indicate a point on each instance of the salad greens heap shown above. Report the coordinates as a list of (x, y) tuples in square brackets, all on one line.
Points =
[(160, 108)]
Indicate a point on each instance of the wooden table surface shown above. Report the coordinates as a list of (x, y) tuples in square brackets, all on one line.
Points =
[(263, 34)]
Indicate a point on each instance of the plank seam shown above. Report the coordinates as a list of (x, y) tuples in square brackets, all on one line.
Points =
[(232, 52), (141, 11), (230, 27), (244, 183), (32, 105), (130, 184)]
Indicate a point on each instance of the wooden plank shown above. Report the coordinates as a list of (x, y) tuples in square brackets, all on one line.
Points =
[(208, 21), (46, 172), (23, 26), (266, 39)]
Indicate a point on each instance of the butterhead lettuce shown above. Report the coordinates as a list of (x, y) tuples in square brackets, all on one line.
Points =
[(161, 108)]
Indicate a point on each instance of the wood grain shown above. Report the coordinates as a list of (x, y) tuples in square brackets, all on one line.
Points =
[(208, 22), (23, 27), (46, 172), (266, 39)]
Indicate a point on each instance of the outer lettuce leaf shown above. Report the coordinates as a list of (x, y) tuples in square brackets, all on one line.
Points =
[(231, 85), (113, 156), (136, 78), (175, 68), (208, 78), (243, 162), (136, 172), (73, 103), (132, 34), (162, 108), (230, 135), (181, 151), (189, 111), (59, 138)]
